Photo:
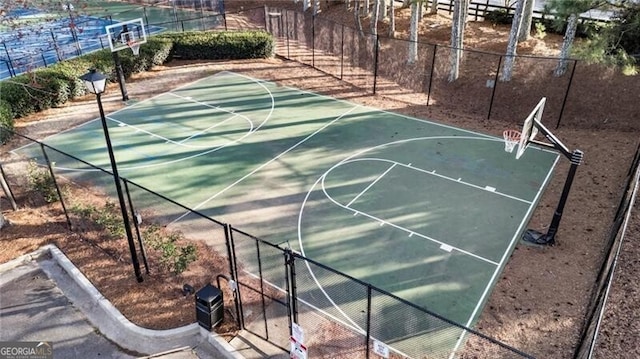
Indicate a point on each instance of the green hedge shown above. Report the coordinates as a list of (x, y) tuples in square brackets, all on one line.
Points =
[(6, 121), (221, 45)]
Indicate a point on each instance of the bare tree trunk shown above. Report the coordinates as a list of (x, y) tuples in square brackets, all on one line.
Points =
[(365, 10), (527, 18), (356, 13), (413, 34), (392, 21), (465, 15), (569, 36), (457, 33), (433, 8), (306, 4), (383, 10), (374, 17), (406, 3), (510, 58), (316, 7)]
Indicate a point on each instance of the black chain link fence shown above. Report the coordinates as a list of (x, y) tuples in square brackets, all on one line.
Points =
[(342, 316), (386, 66)]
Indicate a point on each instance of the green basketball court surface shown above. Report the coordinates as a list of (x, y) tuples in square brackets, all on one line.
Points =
[(428, 212)]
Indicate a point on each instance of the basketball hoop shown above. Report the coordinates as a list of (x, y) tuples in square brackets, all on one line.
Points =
[(511, 139), (135, 47)]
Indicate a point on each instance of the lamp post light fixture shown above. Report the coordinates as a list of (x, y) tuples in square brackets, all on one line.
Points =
[(95, 82)]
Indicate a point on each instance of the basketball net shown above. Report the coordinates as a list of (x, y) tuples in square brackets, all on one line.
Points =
[(511, 139), (135, 47)]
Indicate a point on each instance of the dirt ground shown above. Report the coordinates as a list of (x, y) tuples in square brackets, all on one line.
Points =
[(539, 302)]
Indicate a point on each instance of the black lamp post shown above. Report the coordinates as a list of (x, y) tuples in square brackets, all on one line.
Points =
[(95, 83)]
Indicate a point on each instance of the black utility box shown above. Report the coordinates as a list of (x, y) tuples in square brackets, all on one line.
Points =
[(209, 307)]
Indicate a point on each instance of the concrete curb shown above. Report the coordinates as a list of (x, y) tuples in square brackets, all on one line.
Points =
[(112, 324)]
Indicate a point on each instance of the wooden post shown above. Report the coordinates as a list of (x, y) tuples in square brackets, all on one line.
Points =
[(7, 190)]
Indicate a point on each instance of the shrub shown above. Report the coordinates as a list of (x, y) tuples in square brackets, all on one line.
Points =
[(20, 95), (499, 17), (40, 180), (110, 219), (107, 217), (70, 71), (173, 257), (56, 89), (6, 122), (158, 49), (221, 45)]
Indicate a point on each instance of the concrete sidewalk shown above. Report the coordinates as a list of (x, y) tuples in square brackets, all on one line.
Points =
[(46, 298)]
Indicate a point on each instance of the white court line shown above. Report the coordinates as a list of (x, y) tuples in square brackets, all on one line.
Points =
[(441, 243), (167, 140), (505, 256), (371, 184), (218, 108), (433, 173), (266, 163), (315, 279), (211, 150), (136, 104), (139, 103), (359, 153), (213, 126), (411, 233), (258, 82)]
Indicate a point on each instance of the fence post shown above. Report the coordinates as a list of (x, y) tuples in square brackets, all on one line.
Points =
[(233, 269), (375, 63), (264, 304), (12, 71), (223, 10), (136, 224), (342, 52), (266, 18), (313, 41), (493, 90), (55, 183), (146, 18), (55, 45), (290, 261), (7, 190), (175, 15), (566, 94), (433, 65), (204, 28), (368, 345), (286, 25)]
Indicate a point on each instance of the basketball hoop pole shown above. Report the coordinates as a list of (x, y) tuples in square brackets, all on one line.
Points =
[(549, 238), (532, 125), (119, 72)]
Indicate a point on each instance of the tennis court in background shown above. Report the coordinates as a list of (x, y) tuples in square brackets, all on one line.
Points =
[(49, 34), (428, 212)]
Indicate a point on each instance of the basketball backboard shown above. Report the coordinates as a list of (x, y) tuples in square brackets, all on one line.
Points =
[(530, 127), (124, 35)]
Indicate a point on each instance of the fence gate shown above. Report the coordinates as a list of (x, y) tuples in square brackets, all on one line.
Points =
[(261, 272)]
